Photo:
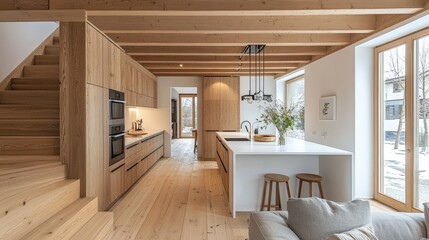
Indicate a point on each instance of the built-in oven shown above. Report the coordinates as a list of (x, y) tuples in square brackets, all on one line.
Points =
[(116, 126), (117, 143), (117, 107)]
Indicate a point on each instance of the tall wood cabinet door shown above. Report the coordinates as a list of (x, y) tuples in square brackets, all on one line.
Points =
[(139, 82), (94, 56), (112, 66), (95, 164), (126, 72), (209, 145), (212, 88), (230, 116), (230, 88), (117, 183), (212, 115)]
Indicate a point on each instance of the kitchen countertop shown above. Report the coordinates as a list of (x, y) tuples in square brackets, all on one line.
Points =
[(130, 140), (293, 146)]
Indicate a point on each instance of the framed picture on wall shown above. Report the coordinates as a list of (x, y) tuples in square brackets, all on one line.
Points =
[(328, 108)]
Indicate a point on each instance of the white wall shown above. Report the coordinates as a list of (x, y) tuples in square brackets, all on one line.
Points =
[(161, 116), (18, 40), (251, 112)]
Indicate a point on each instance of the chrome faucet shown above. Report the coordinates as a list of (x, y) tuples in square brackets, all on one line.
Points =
[(249, 130)]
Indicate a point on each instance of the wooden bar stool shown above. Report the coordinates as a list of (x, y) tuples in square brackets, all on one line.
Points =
[(270, 179), (310, 178)]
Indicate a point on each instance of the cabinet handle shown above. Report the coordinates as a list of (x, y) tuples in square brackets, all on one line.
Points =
[(221, 161), (135, 164), (132, 145), (114, 170)]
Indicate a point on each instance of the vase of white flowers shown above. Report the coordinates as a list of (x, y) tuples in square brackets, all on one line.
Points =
[(281, 116)]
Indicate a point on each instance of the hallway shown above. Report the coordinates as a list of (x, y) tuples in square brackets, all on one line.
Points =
[(180, 198)]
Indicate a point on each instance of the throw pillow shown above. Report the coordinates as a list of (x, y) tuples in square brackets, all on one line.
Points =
[(363, 233), (315, 218), (426, 210)]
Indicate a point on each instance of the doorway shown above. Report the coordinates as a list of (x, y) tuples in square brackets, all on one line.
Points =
[(187, 115)]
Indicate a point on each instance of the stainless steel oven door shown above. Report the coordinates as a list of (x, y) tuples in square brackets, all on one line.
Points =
[(117, 148), (117, 112)]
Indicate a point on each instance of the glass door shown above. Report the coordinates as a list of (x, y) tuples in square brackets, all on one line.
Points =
[(421, 132), (392, 124), (188, 114)]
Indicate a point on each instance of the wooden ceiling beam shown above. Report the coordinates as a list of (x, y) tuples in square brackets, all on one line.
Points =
[(238, 5), (208, 73), (239, 24), (290, 59), (219, 51), (230, 39), (242, 70), (158, 66), (43, 15)]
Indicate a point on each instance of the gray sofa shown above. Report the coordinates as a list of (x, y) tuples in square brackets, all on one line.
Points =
[(387, 226)]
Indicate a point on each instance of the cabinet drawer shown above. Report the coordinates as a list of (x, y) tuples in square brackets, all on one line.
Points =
[(131, 160), (117, 183), (132, 174), (132, 149)]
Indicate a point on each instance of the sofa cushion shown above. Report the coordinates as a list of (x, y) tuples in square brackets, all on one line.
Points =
[(397, 225), (270, 226), (363, 233), (315, 218)]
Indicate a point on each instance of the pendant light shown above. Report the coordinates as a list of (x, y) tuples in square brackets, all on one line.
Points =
[(257, 51)]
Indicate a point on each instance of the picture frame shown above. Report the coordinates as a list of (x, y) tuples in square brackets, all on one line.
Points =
[(328, 108)]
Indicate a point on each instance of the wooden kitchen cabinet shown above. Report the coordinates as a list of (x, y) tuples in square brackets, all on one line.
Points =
[(94, 57), (221, 110), (112, 66), (222, 159), (117, 183), (212, 115), (230, 115)]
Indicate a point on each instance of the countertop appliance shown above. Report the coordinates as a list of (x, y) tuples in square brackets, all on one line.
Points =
[(116, 126)]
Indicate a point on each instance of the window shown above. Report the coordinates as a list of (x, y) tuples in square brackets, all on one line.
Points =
[(402, 131), (295, 99)]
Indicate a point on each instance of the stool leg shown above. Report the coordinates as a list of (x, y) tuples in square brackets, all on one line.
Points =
[(288, 189), (263, 195), (310, 189), (300, 188), (320, 189), (270, 192), (278, 202)]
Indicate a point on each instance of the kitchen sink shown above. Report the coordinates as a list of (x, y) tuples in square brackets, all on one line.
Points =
[(237, 139)]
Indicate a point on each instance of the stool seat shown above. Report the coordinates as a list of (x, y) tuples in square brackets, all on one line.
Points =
[(269, 179), (309, 177), (276, 177)]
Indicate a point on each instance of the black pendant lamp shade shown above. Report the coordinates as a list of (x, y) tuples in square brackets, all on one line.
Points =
[(256, 57)]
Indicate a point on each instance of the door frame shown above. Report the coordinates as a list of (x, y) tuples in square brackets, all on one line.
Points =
[(194, 96)]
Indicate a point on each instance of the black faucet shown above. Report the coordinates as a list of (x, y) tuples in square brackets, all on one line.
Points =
[(247, 129)]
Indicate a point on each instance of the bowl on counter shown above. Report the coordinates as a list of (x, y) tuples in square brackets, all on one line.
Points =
[(136, 132), (264, 138)]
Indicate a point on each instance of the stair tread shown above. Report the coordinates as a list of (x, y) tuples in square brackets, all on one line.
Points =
[(29, 145), (23, 212), (51, 59), (19, 167), (66, 222), (29, 127), (97, 228), (18, 158), (15, 184)]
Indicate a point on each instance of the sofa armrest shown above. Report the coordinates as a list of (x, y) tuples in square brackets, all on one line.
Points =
[(270, 226)]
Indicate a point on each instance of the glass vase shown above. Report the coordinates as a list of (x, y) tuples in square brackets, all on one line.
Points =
[(282, 138)]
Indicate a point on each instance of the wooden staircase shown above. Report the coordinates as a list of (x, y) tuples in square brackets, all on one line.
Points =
[(36, 199)]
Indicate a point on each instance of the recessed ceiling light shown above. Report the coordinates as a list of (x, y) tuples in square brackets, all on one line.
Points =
[(181, 65)]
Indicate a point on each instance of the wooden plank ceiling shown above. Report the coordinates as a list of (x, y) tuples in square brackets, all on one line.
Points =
[(207, 37)]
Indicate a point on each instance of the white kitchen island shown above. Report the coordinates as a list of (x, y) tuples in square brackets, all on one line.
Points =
[(248, 161)]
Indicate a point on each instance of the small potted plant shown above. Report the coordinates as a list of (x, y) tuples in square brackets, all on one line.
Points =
[(281, 116)]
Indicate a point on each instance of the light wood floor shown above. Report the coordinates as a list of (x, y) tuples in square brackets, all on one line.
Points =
[(181, 198)]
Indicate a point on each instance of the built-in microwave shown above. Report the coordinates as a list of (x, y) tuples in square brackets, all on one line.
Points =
[(117, 107)]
